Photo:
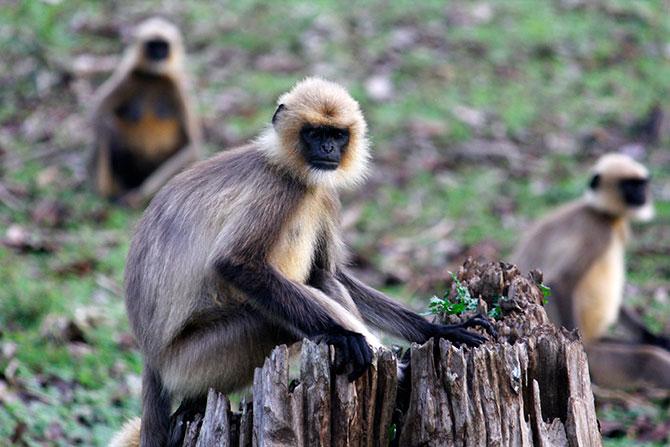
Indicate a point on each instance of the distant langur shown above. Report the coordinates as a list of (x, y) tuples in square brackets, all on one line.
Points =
[(243, 252), (580, 249), (145, 128)]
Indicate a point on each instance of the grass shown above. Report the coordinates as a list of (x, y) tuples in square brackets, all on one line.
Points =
[(533, 71)]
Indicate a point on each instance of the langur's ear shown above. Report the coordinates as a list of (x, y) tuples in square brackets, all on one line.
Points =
[(277, 112), (595, 181)]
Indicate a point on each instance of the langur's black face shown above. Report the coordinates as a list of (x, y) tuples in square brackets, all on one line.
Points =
[(634, 191), (323, 146), (156, 49)]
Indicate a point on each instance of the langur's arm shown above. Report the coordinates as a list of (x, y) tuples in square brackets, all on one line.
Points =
[(634, 326), (302, 311), (241, 260), (277, 297), (563, 301), (101, 164), (386, 314)]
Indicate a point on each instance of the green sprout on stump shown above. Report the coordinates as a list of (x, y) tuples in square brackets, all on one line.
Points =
[(546, 292), (393, 431), (463, 302), (496, 310)]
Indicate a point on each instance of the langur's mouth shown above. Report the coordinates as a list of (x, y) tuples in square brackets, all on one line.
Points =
[(325, 165)]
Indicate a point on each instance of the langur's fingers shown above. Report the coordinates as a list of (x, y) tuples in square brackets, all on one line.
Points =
[(356, 353), (356, 373), (356, 360), (470, 338), (368, 353), (342, 355), (458, 335), (480, 321)]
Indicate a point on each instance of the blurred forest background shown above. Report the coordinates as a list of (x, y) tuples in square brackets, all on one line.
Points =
[(483, 115)]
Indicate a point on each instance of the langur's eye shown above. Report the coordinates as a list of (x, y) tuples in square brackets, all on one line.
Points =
[(315, 133)]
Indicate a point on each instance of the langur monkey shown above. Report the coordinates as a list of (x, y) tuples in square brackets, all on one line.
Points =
[(580, 250), (243, 252), (144, 124)]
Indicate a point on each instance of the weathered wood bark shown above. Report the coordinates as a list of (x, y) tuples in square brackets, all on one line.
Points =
[(530, 387)]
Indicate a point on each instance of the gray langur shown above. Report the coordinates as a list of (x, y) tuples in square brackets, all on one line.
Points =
[(244, 252), (145, 127)]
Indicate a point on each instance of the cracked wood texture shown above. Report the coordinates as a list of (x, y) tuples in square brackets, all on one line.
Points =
[(529, 387)]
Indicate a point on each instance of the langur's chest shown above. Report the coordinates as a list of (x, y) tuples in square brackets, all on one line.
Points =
[(293, 253), (150, 124), (600, 291)]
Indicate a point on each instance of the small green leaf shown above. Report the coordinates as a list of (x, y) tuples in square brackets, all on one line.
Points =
[(393, 430), (435, 301), (546, 290), (461, 303), (495, 313)]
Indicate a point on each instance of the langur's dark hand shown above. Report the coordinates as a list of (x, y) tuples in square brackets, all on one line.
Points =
[(661, 341), (481, 321), (458, 333), (352, 352)]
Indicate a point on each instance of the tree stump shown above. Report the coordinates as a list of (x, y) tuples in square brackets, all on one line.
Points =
[(530, 387)]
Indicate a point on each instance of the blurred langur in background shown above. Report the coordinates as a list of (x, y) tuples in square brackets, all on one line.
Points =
[(580, 249), (143, 118)]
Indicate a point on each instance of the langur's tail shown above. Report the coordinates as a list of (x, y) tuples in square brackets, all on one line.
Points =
[(128, 436), (155, 421)]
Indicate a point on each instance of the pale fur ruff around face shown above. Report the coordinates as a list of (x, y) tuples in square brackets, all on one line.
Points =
[(156, 28), (607, 197), (318, 102)]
